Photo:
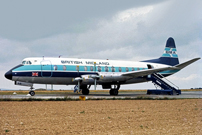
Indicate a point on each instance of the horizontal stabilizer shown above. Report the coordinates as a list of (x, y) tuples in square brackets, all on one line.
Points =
[(182, 65), (147, 72)]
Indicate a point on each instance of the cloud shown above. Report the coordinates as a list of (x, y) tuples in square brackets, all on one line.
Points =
[(132, 13), (188, 81), (29, 20), (188, 78)]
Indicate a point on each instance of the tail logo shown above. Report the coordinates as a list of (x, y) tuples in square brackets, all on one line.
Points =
[(170, 52)]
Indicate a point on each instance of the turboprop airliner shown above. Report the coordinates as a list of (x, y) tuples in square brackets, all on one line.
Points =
[(83, 73)]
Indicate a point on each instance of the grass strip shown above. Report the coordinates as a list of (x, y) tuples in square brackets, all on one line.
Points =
[(76, 99)]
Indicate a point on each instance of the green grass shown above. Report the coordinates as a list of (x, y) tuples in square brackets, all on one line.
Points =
[(42, 91), (82, 112)]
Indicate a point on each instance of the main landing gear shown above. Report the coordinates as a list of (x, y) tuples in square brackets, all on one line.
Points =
[(115, 90), (83, 88)]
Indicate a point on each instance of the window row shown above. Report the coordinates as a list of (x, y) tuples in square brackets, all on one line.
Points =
[(99, 68)]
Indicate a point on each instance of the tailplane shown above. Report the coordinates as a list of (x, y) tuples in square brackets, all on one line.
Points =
[(169, 56)]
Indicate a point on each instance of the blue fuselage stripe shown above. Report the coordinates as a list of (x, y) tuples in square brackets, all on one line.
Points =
[(74, 68), (69, 71)]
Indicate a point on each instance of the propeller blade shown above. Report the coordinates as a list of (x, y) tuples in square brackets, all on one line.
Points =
[(78, 86)]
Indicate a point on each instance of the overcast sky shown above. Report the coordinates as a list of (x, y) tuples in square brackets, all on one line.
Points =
[(122, 30)]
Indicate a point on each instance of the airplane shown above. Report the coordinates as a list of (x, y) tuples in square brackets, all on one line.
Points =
[(83, 73)]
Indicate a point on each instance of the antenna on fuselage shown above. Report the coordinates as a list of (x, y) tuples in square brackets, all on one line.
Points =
[(60, 56)]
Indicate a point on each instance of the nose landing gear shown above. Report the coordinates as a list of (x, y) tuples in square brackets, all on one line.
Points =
[(31, 92)]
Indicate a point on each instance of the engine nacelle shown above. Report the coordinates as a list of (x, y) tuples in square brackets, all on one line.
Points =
[(87, 79), (112, 77), (23, 83), (77, 79)]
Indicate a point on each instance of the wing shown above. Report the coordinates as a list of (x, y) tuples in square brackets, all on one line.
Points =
[(147, 72), (151, 71), (182, 65)]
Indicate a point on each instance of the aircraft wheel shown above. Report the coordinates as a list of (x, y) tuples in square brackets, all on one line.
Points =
[(85, 91), (32, 93), (114, 92)]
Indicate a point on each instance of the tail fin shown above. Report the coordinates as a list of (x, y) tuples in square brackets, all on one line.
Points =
[(169, 56)]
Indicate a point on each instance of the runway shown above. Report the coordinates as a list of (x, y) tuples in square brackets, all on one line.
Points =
[(105, 95)]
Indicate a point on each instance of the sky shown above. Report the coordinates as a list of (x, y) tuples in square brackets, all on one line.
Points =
[(129, 30)]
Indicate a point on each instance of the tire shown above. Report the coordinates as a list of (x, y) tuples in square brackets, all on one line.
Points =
[(32, 93), (85, 91), (114, 92)]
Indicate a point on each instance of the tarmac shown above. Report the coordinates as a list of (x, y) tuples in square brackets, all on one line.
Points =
[(105, 95)]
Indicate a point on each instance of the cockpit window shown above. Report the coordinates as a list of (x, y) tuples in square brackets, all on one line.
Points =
[(29, 62), (26, 62)]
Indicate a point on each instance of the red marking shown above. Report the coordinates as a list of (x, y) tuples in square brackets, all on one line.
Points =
[(34, 73)]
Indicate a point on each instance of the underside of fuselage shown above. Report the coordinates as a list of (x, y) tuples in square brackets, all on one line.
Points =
[(68, 80)]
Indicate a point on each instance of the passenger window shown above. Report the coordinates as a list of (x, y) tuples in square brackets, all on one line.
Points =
[(91, 68), (85, 68), (127, 69), (55, 67), (133, 69), (120, 69), (138, 68), (64, 67), (106, 69), (99, 69), (113, 69)]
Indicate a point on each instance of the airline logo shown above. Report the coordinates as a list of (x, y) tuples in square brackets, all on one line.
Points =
[(170, 52), (86, 62)]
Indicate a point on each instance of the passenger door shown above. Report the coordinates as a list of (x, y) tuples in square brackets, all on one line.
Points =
[(46, 68)]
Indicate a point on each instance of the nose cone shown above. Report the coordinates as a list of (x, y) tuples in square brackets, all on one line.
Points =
[(8, 75)]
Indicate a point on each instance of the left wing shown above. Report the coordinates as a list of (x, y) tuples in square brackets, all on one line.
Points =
[(151, 71), (182, 65), (147, 72)]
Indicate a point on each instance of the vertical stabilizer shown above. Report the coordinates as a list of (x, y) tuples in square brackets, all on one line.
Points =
[(170, 49), (169, 56)]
